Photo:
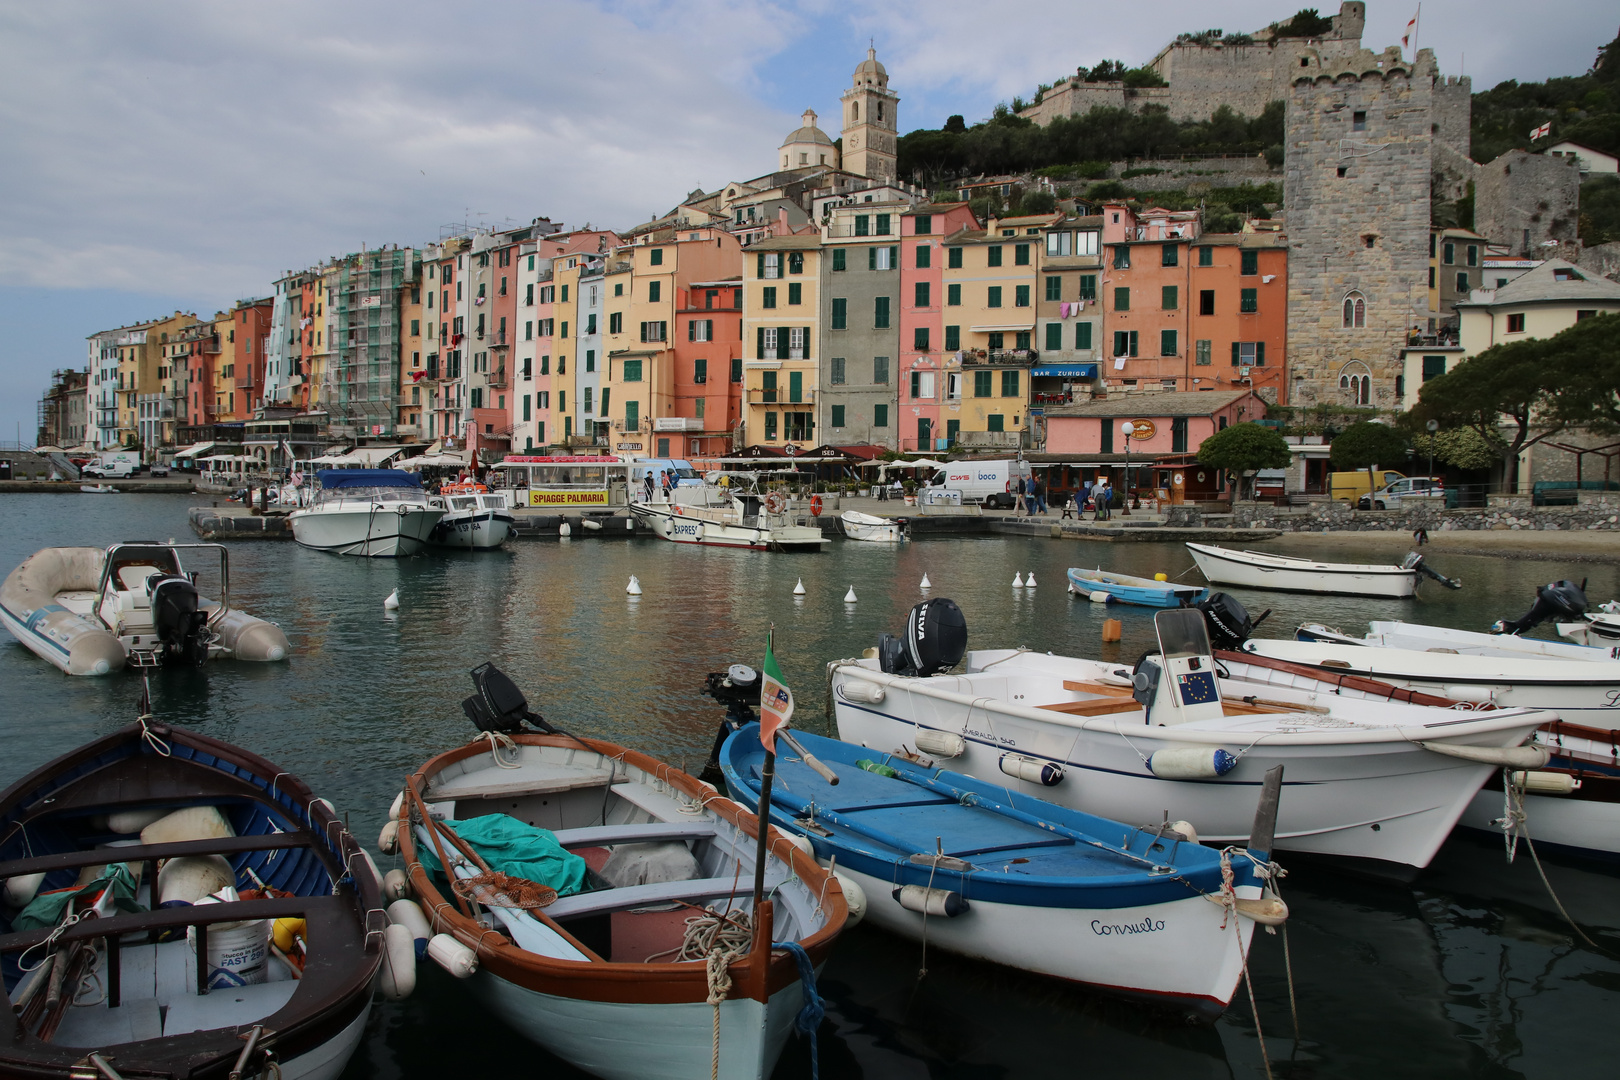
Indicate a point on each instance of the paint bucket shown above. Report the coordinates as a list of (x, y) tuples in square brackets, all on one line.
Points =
[(237, 951)]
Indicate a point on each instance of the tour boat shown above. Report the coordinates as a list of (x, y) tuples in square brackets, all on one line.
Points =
[(870, 527), (1129, 589), (474, 519), (120, 851), (968, 867), (726, 517), (615, 980), (91, 611), (382, 513), (1264, 570), (1377, 782)]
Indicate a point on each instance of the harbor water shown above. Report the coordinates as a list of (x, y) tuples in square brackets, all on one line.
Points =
[(1468, 972)]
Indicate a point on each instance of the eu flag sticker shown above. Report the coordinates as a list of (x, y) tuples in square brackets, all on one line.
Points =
[(1197, 687)]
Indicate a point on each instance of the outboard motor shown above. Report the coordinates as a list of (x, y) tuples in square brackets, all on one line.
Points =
[(1414, 561), (1557, 600), (737, 688), (1228, 620), (178, 619), (499, 705), (935, 640)]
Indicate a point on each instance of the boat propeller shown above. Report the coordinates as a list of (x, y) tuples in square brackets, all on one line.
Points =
[(1414, 561), (1556, 600)]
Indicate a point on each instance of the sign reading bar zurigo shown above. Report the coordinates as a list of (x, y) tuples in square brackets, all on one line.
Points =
[(567, 498)]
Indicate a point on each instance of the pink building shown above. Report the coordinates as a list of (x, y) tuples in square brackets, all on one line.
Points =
[(927, 359)]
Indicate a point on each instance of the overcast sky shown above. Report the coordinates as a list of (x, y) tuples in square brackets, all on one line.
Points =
[(182, 154)]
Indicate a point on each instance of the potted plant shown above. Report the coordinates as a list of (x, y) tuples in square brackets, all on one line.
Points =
[(911, 492)]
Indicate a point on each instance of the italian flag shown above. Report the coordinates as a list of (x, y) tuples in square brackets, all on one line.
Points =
[(775, 701)]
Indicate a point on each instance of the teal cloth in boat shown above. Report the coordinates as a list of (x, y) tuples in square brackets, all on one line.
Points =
[(46, 908), (517, 850)]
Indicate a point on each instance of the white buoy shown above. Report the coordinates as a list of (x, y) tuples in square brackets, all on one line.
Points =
[(1029, 582), (396, 886), (849, 597), (565, 529), (1018, 581), (392, 603), (798, 590), (926, 584), (397, 976), (452, 955), (634, 588), (388, 839), (593, 525)]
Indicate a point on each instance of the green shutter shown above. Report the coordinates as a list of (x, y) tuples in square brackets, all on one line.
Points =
[(1167, 343), (838, 258), (840, 314), (781, 343), (759, 348), (1259, 354), (807, 353), (894, 257), (871, 258), (953, 338), (1054, 336), (880, 312), (761, 271), (953, 295), (994, 296), (1169, 298), (837, 416), (1235, 357), (795, 386), (1082, 335), (993, 256), (1122, 298)]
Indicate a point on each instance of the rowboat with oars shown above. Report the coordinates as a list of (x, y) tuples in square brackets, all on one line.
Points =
[(644, 955), (118, 852)]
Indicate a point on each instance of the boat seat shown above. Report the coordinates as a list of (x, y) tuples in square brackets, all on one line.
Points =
[(627, 896), (1095, 707), (597, 835)]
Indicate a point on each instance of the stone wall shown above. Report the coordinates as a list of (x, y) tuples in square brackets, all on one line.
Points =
[(1523, 199), (1076, 98), (1181, 172), (1594, 513)]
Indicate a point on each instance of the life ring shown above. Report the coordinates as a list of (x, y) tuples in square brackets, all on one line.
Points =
[(775, 502), (815, 505)]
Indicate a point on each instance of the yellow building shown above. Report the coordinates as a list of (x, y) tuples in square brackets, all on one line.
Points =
[(142, 379), (566, 411), (782, 341), (416, 340)]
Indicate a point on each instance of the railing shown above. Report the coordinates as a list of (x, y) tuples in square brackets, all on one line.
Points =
[(1000, 356), (848, 231), (497, 339), (497, 378)]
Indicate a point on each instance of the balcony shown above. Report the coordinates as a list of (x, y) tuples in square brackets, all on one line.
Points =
[(497, 339), (678, 423), (1019, 357), (497, 378), (757, 396)]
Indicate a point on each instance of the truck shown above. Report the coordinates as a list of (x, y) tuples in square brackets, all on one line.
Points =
[(1352, 485), (119, 464), (989, 483)]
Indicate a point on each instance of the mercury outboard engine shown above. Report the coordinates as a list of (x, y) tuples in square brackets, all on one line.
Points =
[(935, 640), (499, 705), (178, 620), (737, 688), (1557, 600), (1414, 561), (1228, 620)]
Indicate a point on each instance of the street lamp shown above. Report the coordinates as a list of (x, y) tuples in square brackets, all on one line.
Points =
[(1432, 426), (1128, 428)]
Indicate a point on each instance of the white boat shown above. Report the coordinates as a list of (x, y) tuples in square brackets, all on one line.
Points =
[(98, 489), (1599, 628), (91, 611), (1376, 782), (612, 980), (870, 527), (1264, 570), (726, 517), (382, 513), (1394, 634), (475, 518)]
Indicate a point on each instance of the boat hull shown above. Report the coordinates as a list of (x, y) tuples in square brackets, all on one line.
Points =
[(1581, 826), (1223, 566), (870, 529), (380, 534), (673, 525), (477, 530), (1133, 590)]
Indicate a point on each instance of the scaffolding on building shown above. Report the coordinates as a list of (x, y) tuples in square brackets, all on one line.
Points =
[(362, 370)]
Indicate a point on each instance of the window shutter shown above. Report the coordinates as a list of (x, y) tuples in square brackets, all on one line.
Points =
[(781, 343), (1260, 353), (807, 342), (894, 258), (759, 349), (1235, 354), (761, 273), (708, 329), (663, 331), (871, 258), (691, 330), (643, 331)]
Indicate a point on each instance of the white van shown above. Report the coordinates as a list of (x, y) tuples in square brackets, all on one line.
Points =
[(116, 464), (989, 483)]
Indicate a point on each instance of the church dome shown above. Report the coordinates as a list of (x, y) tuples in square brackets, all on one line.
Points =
[(807, 133), (870, 72)]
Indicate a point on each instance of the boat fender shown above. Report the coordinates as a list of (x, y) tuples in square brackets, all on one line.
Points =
[(1512, 757), (330, 809), (190, 878), (396, 886), (396, 806), (192, 823), (21, 890), (396, 975), (130, 822), (1185, 830), (388, 839), (1191, 763), (866, 693), (1044, 773), (452, 955), (408, 913), (926, 901), (1265, 910), (1099, 597), (947, 744), (1474, 695), (876, 767), (1546, 783), (284, 934), (854, 898), (802, 843)]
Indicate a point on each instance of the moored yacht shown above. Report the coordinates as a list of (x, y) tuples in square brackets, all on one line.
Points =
[(726, 517), (475, 518), (381, 513)]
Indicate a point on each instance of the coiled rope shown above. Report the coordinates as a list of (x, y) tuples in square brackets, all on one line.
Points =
[(499, 741)]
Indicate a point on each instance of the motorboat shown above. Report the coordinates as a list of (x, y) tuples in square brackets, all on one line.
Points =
[(91, 611), (228, 918), (609, 951), (1378, 783), (1265, 570), (475, 518), (1129, 589), (726, 517), (1564, 604), (1600, 628), (966, 866), (98, 489), (1394, 634), (871, 528), (381, 513)]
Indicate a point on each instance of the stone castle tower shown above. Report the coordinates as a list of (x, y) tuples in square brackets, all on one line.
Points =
[(871, 138)]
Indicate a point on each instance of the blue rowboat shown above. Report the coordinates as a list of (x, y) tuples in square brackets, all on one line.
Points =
[(1128, 589), (966, 865)]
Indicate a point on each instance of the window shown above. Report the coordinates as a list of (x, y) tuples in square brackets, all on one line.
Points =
[(1054, 336), (922, 386), (1088, 286), (925, 256), (995, 341), (1201, 352), (1431, 277), (770, 265), (993, 255), (654, 331), (585, 402), (796, 342), (953, 296), (1249, 263), (1583, 315), (796, 262), (632, 416), (590, 359), (1170, 255), (616, 322), (1473, 254), (921, 294), (1248, 353), (1169, 297), (880, 370), (995, 422), (1206, 256), (919, 338), (1054, 288), (545, 365), (983, 384), (1021, 296), (1059, 244), (1432, 366), (1248, 301), (1124, 343), (1082, 335), (993, 298), (882, 258), (1355, 311), (840, 314), (1167, 343), (1122, 298), (700, 330), (863, 225), (881, 225), (795, 293), (923, 224), (880, 416), (618, 288), (1010, 381), (795, 386), (1358, 121), (768, 296), (1515, 324), (1122, 257), (1020, 254), (655, 291), (700, 370), (770, 421), (838, 258), (953, 258), (836, 374), (880, 312), (768, 385), (736, 369), (528, 330), (837, 416)]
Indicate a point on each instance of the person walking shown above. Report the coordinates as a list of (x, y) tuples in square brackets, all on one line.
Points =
[(1040, 494), (1104, 494)]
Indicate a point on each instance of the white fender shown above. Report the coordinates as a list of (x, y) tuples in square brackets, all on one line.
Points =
[(854, 898), (396, 806), (21, 890), (452, 955), (868, 693), (388, 839), (396, 886), (408, 913), (941, 743), (396, 977), (1513, 757), (1546, 783)]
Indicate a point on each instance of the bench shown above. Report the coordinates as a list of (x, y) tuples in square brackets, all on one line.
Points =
[(629, 896)]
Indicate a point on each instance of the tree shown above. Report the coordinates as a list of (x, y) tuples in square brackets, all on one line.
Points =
[(1366, 444), (1245, 448), (1464, 448)]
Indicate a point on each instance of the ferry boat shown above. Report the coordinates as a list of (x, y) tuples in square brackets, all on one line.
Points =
[(562, 482)]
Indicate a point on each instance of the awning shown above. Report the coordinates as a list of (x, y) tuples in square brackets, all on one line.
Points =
[(920, 463), (1002, 329), (1073, 371), (448, 461), (193, 450), (370, 456)]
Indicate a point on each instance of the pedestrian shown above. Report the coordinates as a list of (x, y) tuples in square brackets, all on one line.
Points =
[(1104, 495), (1085, 495), (1040, 494), (1030, 499)]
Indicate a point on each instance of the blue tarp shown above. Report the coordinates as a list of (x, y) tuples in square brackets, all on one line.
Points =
[(517, 850), (334, 479), (1077, 371)]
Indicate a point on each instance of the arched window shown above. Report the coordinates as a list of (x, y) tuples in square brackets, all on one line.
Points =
[(1356, 381), (1355, 311), (880, 112), (854, 110)]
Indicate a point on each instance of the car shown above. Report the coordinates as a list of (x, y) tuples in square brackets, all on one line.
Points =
[(1389, 497), (159, 470)]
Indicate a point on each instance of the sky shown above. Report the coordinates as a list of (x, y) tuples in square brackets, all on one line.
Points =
[(182, 154)]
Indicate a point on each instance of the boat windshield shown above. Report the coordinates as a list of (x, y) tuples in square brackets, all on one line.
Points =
[(464, 502), (1181, 633), (374, 494)]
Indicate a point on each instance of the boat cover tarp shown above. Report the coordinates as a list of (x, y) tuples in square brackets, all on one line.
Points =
[(335, 479), (517, 850), (46, 908)]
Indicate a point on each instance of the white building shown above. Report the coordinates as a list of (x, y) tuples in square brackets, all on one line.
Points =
[(1592, 161)]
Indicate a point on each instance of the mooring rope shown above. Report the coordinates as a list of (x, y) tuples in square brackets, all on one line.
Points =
[(1519, 821)]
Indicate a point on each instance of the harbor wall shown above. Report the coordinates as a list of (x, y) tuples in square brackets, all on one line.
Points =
[(1595, 512)]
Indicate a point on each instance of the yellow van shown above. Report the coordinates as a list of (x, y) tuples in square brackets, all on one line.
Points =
[(1351, 486)]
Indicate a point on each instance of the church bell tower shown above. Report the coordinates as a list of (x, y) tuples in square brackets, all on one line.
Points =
[(871, 122)]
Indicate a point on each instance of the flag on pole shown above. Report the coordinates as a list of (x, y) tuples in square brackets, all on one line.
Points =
[(1541, 132), (1411, 28), (775, 701)]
